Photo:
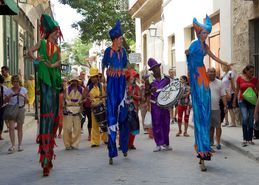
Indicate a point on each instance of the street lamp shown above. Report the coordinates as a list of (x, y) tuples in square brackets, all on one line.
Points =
[(152, 30)]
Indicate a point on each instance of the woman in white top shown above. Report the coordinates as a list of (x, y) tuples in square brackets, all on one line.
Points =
[(16, 94), (228, 81)]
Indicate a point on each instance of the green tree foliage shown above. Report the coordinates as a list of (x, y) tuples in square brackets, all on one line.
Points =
[(76, 51), (100, 16)]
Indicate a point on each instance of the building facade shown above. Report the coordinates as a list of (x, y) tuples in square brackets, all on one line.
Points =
[(172, 20), (18, 33), (246, 34)]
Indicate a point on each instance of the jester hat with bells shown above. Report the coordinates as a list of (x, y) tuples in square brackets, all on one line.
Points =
[(198, 27)]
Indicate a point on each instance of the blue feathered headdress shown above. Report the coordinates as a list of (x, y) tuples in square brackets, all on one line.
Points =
[(115, 32), (198, 26)]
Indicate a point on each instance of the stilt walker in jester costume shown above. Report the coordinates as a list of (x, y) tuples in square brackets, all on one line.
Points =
[(115, 60), (200, 90), (50, 83)]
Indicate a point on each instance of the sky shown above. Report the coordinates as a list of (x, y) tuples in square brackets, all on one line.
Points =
[(66, 16)]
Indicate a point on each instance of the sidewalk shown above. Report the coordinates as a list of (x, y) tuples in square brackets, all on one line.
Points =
[(232, 137), (29, 119)]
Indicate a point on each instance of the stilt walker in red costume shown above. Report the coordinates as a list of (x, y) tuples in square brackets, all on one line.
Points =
[(49, 77)]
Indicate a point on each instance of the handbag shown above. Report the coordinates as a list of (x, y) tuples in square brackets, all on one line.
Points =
[(11, 111), (250, 96), (148, 120)]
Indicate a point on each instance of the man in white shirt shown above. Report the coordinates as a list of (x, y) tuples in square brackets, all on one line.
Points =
[(217, 92)]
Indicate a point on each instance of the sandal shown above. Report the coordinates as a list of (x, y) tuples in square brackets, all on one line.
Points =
[(251, 142), (20, 148), (11, 150), (185, 134), (179, 133)]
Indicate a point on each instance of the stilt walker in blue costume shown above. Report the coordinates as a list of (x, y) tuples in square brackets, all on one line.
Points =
[(200, 91), (115, 60)]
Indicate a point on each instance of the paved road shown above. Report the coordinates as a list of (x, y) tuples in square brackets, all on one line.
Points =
[(142, 167)]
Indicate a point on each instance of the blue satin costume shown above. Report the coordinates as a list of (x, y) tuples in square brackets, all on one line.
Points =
[(200, 91), (116, 62)]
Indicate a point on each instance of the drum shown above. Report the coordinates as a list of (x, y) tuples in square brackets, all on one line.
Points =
[(99, 112), (169, 95)]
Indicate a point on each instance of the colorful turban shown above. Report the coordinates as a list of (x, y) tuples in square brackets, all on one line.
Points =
[(115, 32), (48, 25), (198, 26)]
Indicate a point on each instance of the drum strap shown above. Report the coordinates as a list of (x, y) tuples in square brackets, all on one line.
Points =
[(153, 101)]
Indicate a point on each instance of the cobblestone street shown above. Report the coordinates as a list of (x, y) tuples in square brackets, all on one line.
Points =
[(142, 166)]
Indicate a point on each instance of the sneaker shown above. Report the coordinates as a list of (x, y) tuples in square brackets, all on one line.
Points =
[(212, 150), (218, 147), (20, 148), (167, 147), (157, 149)]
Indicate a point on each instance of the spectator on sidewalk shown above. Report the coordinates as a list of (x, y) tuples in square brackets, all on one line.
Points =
[(2, 104), (217, 92), (30, 85), (228, 81), (244, 81), (184, 105), (16, 95), (7, 76), (256, 113), (8, 84)]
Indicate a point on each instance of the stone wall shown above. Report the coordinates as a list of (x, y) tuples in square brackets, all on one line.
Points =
[(242, 13)]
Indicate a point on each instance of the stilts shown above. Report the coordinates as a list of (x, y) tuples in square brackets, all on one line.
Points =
[(202, 165)]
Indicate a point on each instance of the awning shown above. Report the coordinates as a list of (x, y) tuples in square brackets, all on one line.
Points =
[(9, 8)]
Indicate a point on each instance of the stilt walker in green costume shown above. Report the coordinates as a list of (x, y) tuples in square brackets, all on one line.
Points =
[(49, 77)]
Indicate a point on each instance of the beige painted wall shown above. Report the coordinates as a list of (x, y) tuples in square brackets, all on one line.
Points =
[(242, 11)]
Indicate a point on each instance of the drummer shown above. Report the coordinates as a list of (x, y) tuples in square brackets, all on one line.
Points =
[(72, 122), (160, 116), (97, 95)]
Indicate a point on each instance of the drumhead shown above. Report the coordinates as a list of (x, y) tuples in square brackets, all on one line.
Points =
[(169, 95)]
